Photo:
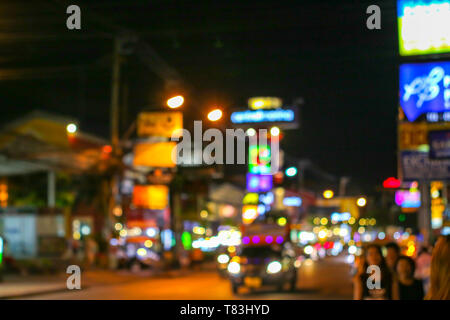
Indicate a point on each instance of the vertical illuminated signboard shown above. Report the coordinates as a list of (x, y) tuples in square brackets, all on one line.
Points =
[(1, 251), (424, 87), (259, 159), (423, 26), (437, 204)]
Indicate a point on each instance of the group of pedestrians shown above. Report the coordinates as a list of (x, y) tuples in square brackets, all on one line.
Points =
[(396, 277)]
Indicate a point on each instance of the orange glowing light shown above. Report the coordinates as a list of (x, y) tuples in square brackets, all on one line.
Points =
[(215, 115), (175, 102)]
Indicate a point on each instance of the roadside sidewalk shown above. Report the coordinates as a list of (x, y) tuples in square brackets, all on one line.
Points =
[(16, 287), (24, 286)]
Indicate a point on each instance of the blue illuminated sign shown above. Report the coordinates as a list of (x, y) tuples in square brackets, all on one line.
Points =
[(424, 87), (267, 198), (344, 216), (259, 182), (258, 116), (292, 201)]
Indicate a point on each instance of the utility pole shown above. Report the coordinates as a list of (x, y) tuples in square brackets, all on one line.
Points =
[(114, 122), (424, 211), (302, 165), (115, 90)]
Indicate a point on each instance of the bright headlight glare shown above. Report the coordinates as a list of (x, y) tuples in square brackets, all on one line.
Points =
[(274, 267), (234, 267), (223, 258)]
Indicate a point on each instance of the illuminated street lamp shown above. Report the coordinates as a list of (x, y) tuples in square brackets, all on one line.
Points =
[(274, 131), (204, 214), (175, 102), (251, 132), (328, 194), (71, 128), (361, 202), (215, 115), (291, 171)]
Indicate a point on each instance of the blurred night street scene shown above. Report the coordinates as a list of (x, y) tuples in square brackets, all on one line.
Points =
[(225, 150)]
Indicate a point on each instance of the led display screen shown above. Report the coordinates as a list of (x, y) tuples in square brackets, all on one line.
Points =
[(423, 26)]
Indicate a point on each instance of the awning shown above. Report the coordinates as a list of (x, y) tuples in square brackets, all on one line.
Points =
[(40, 142)]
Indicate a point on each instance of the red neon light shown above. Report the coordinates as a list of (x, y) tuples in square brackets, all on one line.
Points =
[(107, 149), (391, 183)]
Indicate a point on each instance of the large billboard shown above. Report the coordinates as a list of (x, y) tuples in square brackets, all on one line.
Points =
[(424, 87), (416, 165), (423, 26)]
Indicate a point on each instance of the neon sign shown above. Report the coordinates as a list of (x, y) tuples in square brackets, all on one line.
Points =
[(391, 183), (339, 217), (259, 182), (259, 159), (259, 116), (423, 27), (407, 199), (424, 87), (292, 201)]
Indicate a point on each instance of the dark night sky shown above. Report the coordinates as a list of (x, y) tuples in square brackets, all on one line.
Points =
[(226, 51)]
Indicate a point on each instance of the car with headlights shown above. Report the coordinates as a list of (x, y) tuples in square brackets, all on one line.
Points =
[(223, 257), (261, 266)]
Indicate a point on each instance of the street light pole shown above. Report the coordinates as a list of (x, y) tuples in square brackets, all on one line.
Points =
[(343, 181)]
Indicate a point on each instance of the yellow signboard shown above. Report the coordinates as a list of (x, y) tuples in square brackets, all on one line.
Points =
[(251, 198), (157, 154), (159, 124), (412, 135), (154, 197), (264, 103)]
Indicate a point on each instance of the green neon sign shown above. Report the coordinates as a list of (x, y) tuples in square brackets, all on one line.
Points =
[(186, 240)]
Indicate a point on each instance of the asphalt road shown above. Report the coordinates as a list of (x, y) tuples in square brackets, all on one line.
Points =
[(326, 279)]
